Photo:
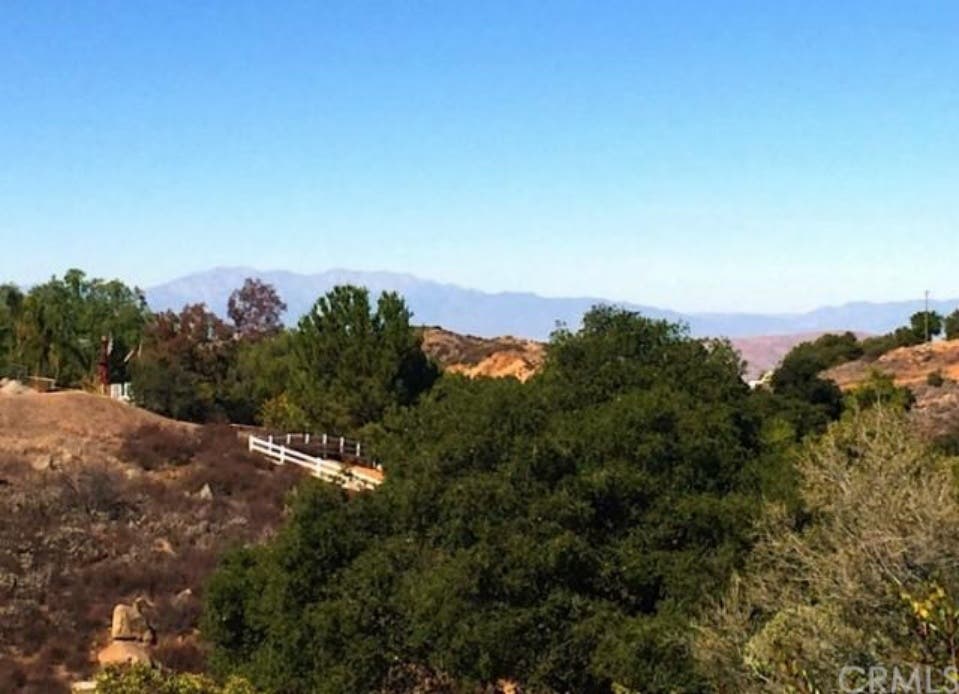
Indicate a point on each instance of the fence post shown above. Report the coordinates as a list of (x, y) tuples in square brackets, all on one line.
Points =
[(342, 444), (357, 449), (287, 439), (249, 442), (306, 438)]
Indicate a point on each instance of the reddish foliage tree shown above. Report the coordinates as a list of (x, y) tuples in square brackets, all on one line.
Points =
[(183, 364), (255, 309)]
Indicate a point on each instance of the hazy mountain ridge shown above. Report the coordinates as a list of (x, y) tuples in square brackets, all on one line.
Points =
[(522, 314)]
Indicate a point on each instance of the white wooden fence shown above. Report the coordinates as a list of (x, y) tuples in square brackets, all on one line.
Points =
[(342, 474)]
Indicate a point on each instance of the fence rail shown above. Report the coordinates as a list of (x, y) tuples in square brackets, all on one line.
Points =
[(322, 445), (335, 471)]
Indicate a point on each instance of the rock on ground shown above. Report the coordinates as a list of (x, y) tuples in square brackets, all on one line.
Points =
[(124, 653)]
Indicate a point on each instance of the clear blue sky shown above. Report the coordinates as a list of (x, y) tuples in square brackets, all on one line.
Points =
[(695, 155)]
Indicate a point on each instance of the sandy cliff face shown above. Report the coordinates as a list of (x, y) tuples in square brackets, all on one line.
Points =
[(477, 357)]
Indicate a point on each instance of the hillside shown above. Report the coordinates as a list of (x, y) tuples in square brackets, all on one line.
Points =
[(763, 353), (475, 312), (909, 366), (509, 356), (103, 503), (476, 356), (72, 427), (937, 406)]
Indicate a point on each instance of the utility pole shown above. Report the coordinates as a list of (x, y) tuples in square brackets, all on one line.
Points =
[(926, 314)]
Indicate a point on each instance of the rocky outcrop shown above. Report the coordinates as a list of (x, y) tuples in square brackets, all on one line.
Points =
[(130, 624), (130, 636)]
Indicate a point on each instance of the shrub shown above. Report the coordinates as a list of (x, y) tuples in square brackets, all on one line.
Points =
[(181, 655), (935, 379), (153, 446), (142, 679), (12, 675), (825, 587), (880, 389), (96, 491), (282, 414)]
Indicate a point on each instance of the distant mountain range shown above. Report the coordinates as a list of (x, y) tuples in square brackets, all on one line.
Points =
[(520, 314)]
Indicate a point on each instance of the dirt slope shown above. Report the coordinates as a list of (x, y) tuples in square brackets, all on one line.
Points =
[(907, 365), (936, 409), (475, 357), (100, 503), (70, 426)]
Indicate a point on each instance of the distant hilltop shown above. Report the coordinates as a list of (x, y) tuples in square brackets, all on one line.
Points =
[(509, 356), (522, 314)]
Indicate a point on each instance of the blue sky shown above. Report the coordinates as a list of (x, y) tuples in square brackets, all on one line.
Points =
[(694, 155)]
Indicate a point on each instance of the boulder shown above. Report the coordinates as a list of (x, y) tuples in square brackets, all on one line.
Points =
[(205, 493), (182, 598), (130, 624), (163, 546), (43, 462), (124, 653)]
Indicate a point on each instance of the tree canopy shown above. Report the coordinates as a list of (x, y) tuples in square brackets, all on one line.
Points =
[(55, 330), (925, 325), (183, 366), (633, 518), (806, 399), (950, 325), (351, 362), (559, 532), (256, 309), (864, 575)]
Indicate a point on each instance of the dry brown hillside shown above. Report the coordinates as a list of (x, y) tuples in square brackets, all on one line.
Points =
[(60, 428), (100, 503), (907, 365), (936, 409), (479, 356)]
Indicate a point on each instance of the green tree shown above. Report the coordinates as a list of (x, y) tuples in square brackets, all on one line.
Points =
[(951, 325), (925, 325), (63, 321), (803, 397), (11, 310), (561, 533), (183, 367), (879, 389), (261, 371), (351, 362), (861, 576)]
